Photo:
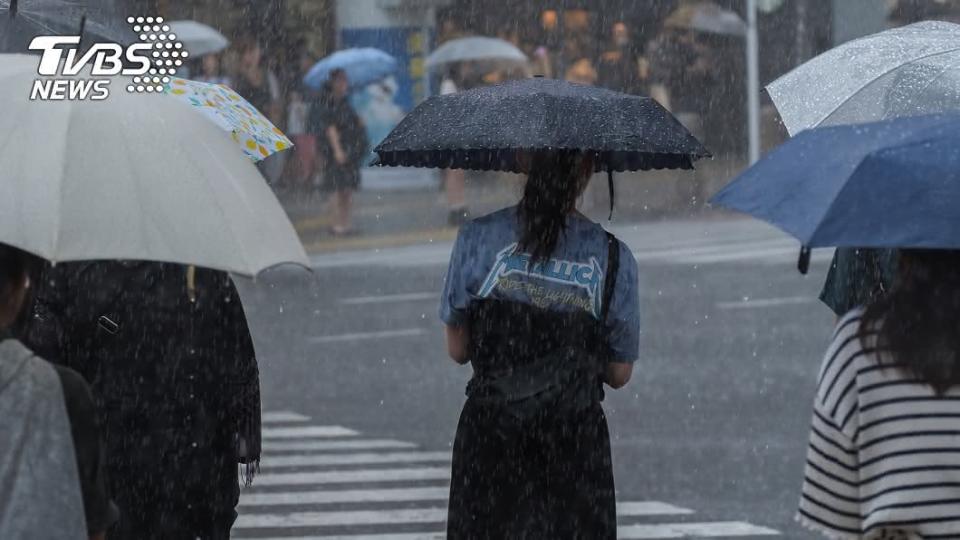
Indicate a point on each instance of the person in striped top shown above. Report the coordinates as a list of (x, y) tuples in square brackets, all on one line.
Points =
[(884, 454)]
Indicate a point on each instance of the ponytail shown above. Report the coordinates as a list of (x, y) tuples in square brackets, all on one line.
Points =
[(550, 195)]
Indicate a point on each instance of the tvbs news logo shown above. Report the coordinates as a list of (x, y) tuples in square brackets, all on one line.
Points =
[(151, 63)]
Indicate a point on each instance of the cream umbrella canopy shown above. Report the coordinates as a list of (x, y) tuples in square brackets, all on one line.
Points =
[(135, 176)]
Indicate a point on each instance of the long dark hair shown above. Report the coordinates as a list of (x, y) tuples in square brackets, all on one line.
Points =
[(918, 322), (555, 181)]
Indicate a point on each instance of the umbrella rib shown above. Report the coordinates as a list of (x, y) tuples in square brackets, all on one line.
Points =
[(871, 81)]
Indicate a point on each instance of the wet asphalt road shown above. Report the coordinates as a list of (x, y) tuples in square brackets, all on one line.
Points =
[(715, 419)]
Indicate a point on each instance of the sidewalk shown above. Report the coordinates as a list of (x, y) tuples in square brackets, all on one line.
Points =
[(390, 217)]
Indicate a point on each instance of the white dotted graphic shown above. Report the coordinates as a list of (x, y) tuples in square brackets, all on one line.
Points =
[(167, 53)]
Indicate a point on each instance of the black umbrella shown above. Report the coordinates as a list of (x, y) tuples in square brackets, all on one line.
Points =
[(491, 128), (94, 20)]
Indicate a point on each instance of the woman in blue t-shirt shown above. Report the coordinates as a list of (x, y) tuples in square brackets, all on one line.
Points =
[(544, 305)]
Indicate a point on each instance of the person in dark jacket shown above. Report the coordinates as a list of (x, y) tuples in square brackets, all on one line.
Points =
[(49, 494), (342, 144), (544, 304), (169, 356)]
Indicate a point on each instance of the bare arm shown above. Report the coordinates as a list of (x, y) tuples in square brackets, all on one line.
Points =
[(618, 374), (458, 337), (333, 135)]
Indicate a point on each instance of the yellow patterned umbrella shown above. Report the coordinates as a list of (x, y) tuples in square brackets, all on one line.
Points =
[(249, 128)]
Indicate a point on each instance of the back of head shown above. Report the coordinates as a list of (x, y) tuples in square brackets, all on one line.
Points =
[(555, 181), (918, 322), (16, 269)]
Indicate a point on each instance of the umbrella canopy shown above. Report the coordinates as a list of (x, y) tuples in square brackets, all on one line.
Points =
[(198, 38), (489, 128), (888, 184), (363, 66), (905, 71), (22, 20), (475, 49), (134, 176), (256, 136), (707, 17)]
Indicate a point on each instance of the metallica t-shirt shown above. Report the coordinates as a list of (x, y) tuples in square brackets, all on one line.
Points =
[(485, 263)]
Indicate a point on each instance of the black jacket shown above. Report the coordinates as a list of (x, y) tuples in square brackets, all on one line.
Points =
[(175, 381)]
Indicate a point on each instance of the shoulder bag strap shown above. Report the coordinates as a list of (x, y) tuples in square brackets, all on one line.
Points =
[(610, 279)]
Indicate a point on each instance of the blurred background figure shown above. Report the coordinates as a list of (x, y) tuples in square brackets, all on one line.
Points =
[(582, 71), (454, 180), (343, 145), (211, 72), (622, 68), (260, 86)]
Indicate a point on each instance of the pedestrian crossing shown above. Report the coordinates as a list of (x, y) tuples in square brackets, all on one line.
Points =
[(329, 482), (684, 243)]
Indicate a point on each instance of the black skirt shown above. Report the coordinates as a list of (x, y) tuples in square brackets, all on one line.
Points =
[(549, 478)]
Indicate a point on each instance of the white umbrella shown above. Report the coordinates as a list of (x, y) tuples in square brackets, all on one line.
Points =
[(472, 49), (134, 176), (198, 38), (903, 71)]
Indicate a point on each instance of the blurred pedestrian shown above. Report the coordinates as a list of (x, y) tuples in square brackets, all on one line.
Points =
[(454, 180), (682, 76), (342, 143), (883, 460), (582, 72), (211, 71), (621, 65), (169, 356), (260, 86), (303, 166), (544, 304), (51, 455)]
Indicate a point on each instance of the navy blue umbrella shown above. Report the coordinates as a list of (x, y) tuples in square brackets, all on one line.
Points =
[(889, 184)]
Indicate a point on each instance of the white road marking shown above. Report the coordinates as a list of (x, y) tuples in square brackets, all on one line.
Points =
[(386, 298), (398, 536), (358, 476), (345, 496), (306, 431), (730, 256), (355, 459), (715, 249), (409, 515), (698, 530), (766, 302), (283, 416), (356, 336), (357, 444)]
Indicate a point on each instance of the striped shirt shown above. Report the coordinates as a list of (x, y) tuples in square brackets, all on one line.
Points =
[(884, 454)]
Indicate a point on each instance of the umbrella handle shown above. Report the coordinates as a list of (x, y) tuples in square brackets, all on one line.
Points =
[(610, 187), (803, 263)]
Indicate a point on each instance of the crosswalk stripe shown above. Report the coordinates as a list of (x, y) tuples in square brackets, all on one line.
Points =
[(306, 431), (397, 536), (321, 445), (406, 297), (747, 254), (410, 515), (715, 249), (766, 302), (283, 416), (355, 336), (354, 459), (698, 530), (347, 477), (345, 496)]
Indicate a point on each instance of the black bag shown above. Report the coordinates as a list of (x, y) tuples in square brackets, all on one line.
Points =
[(565, 379)]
